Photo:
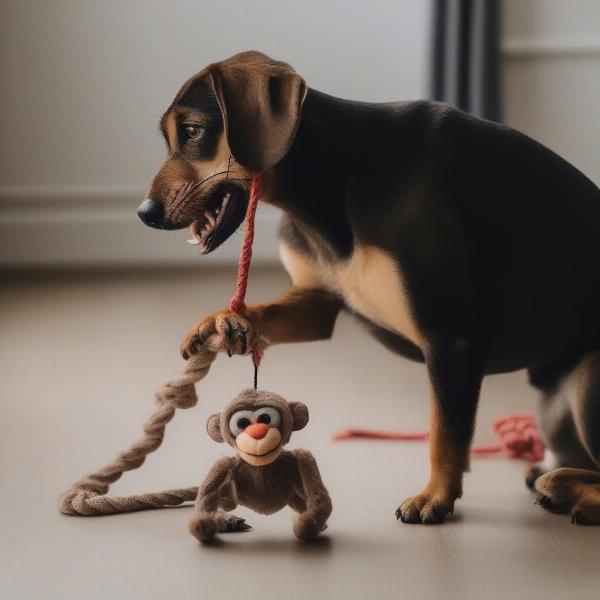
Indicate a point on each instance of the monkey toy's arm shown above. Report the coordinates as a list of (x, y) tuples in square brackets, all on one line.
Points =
[(206, 520), (317, 503)]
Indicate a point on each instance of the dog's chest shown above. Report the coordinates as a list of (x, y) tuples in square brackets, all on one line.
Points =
[(370, 283)]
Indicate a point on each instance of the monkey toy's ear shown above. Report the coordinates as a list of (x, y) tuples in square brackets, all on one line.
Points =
[(300, 415), (213, 426)]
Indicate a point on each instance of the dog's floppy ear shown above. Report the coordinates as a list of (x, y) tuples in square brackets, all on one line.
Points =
[(261, 100)]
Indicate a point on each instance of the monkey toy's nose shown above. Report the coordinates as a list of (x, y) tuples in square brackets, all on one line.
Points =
[(152, 213), (257, 430)]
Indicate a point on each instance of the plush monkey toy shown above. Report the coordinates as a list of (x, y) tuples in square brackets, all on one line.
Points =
[(262, 476)]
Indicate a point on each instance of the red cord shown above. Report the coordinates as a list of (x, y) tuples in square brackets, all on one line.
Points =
[(517, 434), (237, 303), (370, 434)]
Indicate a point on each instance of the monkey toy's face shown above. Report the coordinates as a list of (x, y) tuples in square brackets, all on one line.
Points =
[(258, 424), (257, 435)]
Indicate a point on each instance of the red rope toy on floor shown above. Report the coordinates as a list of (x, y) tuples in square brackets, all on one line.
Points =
[(517, 435)]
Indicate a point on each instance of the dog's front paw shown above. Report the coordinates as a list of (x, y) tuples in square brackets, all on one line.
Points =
[(221, 331), (428, 508)]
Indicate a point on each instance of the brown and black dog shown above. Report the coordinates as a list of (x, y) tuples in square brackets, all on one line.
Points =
[(462, 243)]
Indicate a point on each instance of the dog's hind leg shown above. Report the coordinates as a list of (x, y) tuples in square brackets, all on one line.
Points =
[(557, 382), (570, 424)]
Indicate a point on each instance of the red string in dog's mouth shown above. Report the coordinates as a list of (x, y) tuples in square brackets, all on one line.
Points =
[(203, 229)]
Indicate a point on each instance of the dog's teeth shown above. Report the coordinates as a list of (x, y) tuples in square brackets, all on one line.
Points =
[(194, 242)]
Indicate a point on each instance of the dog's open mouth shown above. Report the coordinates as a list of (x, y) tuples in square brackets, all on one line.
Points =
[(224, 214)]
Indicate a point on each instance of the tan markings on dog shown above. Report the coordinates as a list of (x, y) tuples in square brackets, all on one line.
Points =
[(370, 283), (171, 129), (447, 456), (303, 271), (575, 490), (218, 166), (300, 314)]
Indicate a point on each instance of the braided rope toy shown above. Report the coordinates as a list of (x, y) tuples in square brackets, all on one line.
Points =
[(87, 497)]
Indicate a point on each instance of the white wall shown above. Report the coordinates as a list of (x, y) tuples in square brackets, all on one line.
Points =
[(85, 81), (552, 76)]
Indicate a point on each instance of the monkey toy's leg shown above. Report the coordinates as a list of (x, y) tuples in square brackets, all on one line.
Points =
[(214, 495), (311, 500), (300, 314), (570, 424)]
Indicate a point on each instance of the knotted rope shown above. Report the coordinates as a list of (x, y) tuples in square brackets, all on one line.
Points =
[(88, 496)]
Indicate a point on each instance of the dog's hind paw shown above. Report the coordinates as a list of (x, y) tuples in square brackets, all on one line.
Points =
[(574, 491), (533, 474)]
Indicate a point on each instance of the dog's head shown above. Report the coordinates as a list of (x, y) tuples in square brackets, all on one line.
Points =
[(233, 119)]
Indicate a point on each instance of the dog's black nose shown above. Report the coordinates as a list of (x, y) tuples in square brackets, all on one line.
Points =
[(152, 213)]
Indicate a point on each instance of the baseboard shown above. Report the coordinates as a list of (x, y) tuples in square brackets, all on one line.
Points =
[(99, 227), (525, 49)]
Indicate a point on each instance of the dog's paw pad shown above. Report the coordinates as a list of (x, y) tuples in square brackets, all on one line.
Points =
[(426, 509)]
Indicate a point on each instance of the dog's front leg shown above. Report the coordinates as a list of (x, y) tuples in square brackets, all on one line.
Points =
[(455, 369), (299, 315)]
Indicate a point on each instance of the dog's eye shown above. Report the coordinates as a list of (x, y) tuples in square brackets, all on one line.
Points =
[(193, 132)]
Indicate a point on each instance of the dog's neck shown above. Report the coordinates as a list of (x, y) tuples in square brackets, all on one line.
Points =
[(310, 183)]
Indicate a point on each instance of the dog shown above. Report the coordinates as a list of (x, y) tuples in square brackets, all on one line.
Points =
[(461, 243)]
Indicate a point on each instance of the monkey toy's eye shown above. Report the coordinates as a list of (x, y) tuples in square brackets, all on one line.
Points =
[(268, 415), (239, 421)]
